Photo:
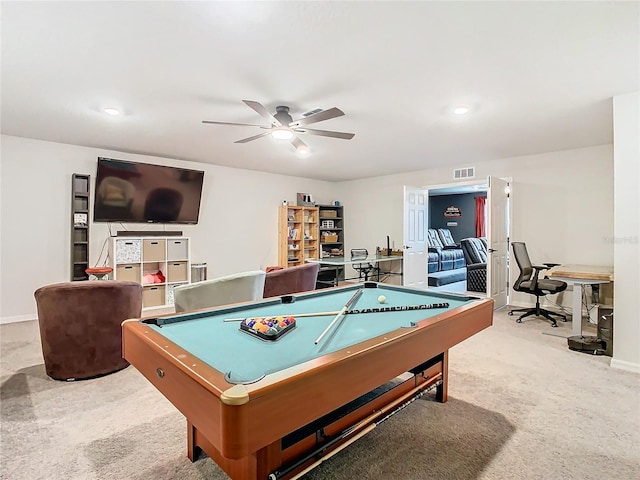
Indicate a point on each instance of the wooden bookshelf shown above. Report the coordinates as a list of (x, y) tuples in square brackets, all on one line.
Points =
[(80, 185), (298, 235)]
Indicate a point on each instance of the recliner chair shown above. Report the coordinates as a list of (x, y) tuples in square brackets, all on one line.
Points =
[(449, 257), (446, 237), (529, 282), (475, 254)]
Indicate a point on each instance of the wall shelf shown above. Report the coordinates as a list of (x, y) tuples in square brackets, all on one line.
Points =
[(80, 186)]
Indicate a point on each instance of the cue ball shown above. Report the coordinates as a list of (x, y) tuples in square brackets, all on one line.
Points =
[(382, 299)]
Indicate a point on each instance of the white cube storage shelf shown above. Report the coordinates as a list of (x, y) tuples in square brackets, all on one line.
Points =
[(127, 251), (147, 260)]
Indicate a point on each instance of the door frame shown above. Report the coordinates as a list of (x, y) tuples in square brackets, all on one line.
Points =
[(484, 182)]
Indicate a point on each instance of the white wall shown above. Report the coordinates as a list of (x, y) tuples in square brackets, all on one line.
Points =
[(562, 205), (626, 238), (237, 231)]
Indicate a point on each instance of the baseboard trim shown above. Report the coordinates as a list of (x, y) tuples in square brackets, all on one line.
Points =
[(18, 318), (624, 365)]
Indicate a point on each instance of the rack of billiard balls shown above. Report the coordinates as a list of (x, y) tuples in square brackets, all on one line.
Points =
[(268, 328)]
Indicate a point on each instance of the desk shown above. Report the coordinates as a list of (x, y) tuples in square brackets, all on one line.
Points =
[(336, 263), (270, 409), (579, 276)]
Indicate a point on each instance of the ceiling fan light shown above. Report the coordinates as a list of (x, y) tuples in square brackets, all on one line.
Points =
[(303, 149), (282, 133)]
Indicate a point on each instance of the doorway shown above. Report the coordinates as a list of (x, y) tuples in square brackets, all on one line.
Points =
[(454, 207)]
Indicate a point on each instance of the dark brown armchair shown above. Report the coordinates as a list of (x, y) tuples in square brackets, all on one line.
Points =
[(80, 326), (301, 278)]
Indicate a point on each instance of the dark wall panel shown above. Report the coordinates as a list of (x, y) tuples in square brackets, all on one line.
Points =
[(466, 224)]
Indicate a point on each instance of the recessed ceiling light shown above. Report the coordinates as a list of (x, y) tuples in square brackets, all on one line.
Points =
[(112, 111), (282, 133), (460, 110)]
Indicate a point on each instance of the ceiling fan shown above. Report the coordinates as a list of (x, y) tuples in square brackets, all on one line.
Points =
[(283, 126)]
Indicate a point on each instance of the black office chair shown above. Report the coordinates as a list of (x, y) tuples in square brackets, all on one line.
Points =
[(529, 282), (364, 269)]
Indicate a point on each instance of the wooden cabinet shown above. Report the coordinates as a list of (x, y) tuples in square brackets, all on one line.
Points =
[(158, 263), (297, 235), (80, 185)]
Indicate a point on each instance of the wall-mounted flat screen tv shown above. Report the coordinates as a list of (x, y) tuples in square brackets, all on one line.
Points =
[(145, 193)]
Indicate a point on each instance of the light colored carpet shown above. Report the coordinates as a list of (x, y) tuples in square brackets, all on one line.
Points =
[(521, 406)]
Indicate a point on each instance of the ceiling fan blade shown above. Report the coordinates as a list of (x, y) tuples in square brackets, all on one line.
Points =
[(299, 144), (245, 140), (236, 124), (318, 117), (263, 112), (326, 133)]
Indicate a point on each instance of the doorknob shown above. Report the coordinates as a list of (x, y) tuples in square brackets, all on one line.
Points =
[(491, 250), (407, 246)]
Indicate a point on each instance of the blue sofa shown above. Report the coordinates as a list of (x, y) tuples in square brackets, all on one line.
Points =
[(446, 263)]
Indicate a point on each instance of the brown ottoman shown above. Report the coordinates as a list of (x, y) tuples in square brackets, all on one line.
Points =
[(80, 326)]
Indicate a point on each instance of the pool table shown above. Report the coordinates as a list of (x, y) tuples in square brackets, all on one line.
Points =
[(273, 409)]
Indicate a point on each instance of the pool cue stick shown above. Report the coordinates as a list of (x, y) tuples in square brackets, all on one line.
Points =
[(351, 301), (370, 422), (336, 450), (399, 308)]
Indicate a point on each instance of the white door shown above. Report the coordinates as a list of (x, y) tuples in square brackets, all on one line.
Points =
[(414, 260), (497, 241)]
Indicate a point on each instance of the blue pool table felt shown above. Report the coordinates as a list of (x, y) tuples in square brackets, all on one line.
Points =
[(246, 358)]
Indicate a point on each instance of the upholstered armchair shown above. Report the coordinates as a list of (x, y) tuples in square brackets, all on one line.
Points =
[(80, 326), (236, 288), (449, 258), (301, 278), (475, 254), (446, 237)]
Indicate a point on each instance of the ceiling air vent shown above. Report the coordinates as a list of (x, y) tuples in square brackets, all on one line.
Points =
[(463, 173), (311, 112)]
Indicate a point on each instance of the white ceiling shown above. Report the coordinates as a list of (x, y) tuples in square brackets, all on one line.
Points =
[(538, 76)]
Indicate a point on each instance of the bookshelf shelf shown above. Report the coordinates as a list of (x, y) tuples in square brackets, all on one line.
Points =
[(298, 235)]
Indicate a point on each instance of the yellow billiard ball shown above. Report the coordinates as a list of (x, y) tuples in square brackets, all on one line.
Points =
[(382, 299)]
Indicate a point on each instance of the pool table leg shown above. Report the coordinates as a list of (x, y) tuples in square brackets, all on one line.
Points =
[(193, 450), (442, 390)]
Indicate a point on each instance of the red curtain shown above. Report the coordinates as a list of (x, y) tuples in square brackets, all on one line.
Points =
[(480, 227)]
